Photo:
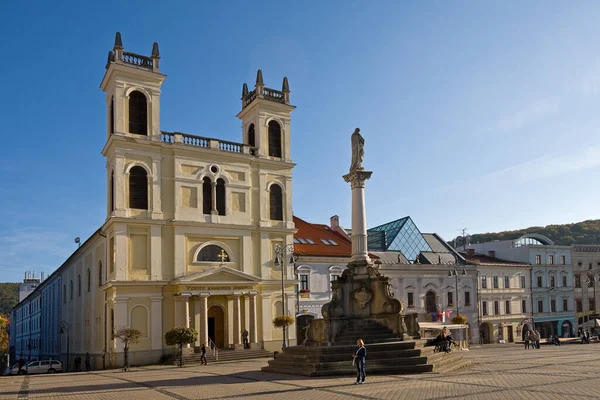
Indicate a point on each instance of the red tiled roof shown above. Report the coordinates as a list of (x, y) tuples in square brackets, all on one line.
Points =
[(316, 232), (481, 259)]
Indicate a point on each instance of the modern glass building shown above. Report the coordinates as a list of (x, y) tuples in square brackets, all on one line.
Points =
[(400, 235)]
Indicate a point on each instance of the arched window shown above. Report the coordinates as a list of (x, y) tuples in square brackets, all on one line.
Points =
[(221, 196), (213, 253), (274, 139), (251, 138), (111, 115), (71, 288), (78, 285), (100, 273), (206, 195), (139, 320), (112, 191), (138, 188), (276, 203), (138, 113), (89, 280)]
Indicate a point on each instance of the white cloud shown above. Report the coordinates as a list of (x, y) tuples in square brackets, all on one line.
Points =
[(535, 111), (550, 166), (33, 249)]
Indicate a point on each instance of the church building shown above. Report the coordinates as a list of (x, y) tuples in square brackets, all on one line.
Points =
[(192, 225)]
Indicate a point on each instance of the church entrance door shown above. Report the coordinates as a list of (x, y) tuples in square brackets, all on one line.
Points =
[(216, 326)]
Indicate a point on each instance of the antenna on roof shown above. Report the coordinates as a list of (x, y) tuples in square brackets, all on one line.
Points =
[(464, 237)]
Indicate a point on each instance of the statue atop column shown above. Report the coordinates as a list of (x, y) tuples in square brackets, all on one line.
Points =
[(358, 151)]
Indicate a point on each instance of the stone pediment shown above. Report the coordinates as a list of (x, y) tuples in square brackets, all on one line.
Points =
[(219, 275)]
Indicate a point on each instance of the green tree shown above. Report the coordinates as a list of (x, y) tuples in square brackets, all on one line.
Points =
[(180, 337), (9, 297), (4, 321), (127, 336)]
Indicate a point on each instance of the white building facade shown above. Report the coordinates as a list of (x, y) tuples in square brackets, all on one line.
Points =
[(586, 272), (551, 277)]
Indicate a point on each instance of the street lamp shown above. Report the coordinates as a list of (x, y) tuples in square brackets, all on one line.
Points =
[(281, 253), (64, 328), (453, 272)]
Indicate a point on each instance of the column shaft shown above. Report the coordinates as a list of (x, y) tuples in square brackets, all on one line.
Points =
[(203, 333), (252, 329), (237, 325)]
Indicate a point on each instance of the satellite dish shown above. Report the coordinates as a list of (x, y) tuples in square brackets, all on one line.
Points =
[(77, 240)]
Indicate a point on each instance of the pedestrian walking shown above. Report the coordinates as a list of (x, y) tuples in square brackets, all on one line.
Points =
[(245, 337), (88, 366), (526, 337), (359, 360), (203, 354), (537, 339)]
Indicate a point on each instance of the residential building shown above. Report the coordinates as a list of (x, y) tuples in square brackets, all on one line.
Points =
[(26, 319), (552, 298), (504, 296), (322, 254), (586, 272)]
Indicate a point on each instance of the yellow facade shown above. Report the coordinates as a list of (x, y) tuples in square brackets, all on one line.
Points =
[(191, 227)]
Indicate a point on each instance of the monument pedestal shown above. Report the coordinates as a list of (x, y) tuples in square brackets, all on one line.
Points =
[(362, 306)]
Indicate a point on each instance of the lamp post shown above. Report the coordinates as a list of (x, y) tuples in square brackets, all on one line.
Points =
[(281, 253), (64, 328), (453, 272)]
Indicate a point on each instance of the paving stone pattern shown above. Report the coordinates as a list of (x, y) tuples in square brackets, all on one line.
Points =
[(499, 372)]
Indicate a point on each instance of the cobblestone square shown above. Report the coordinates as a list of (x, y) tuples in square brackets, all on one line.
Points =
[(499, 372)]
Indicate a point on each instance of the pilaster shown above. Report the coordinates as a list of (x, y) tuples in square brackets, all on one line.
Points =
[(267, 318), (155, 253), (252, 326), (156, 322)]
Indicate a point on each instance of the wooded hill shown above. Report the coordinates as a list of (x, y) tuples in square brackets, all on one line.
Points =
[(586, 232), (9, 297)]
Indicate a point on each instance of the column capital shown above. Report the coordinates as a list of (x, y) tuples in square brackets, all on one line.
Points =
[(253, 293), (204, 295), (156, 298), (185, 295), (234, 295)]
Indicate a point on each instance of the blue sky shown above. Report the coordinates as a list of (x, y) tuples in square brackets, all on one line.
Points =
[(475, 114)]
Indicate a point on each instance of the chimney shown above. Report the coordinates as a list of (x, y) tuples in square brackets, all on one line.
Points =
[(470, 252), (492, 253), (334, 222)]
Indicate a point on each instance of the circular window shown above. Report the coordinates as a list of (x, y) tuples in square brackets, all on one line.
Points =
[(214, 169)]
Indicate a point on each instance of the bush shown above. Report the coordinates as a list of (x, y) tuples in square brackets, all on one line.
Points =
[(459, 320), (282, 320)]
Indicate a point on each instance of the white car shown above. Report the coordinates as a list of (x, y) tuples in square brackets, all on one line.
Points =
[(38, 367)]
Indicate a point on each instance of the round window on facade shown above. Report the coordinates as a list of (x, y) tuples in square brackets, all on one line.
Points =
[(214, 169)]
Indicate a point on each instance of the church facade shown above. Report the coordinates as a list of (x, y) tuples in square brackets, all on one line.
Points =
[(192, 224)]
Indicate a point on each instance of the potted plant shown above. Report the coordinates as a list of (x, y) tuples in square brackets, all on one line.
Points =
[(459, 320), (179, 337)]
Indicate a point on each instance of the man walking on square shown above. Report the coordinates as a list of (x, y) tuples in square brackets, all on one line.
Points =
[(203, 354)]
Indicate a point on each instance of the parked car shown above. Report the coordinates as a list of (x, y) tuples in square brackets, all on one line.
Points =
[(38, 367)]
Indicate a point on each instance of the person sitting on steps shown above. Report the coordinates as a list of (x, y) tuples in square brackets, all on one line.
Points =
[(444, 341)]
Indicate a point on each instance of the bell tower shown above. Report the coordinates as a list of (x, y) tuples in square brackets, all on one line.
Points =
[(132, 83), (265, 119)]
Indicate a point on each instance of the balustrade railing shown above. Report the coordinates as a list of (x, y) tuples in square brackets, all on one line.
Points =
[(166, 137), (208, 143), (249, 97), (137, 60), (194, 140), (214, 350), (274, 95)]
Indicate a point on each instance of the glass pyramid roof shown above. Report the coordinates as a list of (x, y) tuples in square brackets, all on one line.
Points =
[(400, 235)]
